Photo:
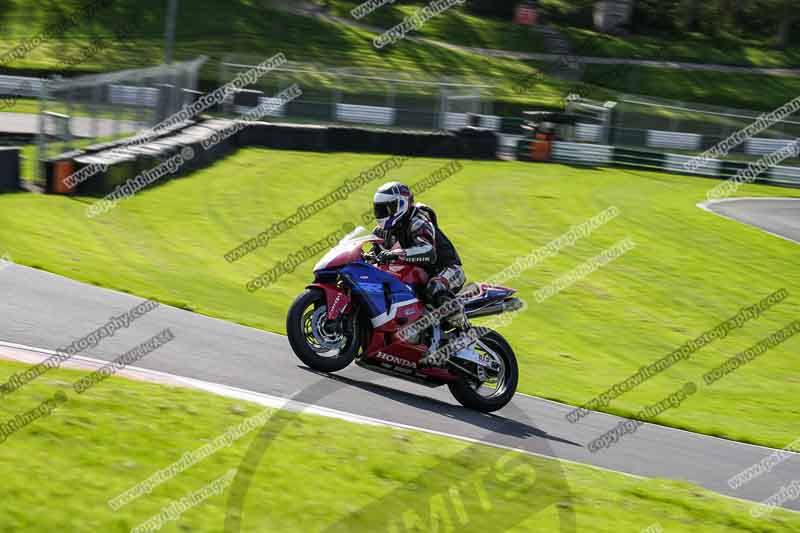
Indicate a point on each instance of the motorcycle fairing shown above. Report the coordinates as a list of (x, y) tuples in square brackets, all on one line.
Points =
[(487, 294), (385, 296)]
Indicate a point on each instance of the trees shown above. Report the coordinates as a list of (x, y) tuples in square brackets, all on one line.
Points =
[(692, 11), (762, 20), (788, 19)]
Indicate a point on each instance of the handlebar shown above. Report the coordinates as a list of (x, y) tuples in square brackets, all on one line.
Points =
[(378, 259)]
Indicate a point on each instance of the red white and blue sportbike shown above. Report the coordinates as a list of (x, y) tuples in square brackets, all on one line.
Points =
[(358, 309)]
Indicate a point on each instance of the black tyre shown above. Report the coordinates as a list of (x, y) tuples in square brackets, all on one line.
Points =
[(499, 387), (313, 338)]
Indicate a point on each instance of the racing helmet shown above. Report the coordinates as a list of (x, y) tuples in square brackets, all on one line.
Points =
[(392, 202)]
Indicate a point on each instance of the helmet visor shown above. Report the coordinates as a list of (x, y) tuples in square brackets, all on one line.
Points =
[(385, 209)]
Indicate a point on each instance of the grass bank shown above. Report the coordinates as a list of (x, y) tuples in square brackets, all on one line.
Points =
[(315, 472), (689, 271)]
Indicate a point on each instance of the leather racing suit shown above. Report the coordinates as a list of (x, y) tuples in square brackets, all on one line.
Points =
[(418, 240)]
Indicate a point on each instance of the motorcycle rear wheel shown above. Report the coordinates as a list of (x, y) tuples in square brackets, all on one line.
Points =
[(467, 390), (311, 342)]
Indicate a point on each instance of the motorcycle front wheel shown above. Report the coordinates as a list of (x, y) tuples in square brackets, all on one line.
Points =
[(321, 344)]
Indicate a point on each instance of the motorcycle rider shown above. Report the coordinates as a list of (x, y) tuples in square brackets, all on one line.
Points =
[(411, 235)]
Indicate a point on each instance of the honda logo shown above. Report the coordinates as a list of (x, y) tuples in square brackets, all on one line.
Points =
[(395, 360)]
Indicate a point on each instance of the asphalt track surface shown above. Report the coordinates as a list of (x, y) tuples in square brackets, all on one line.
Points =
[(778, 216), (47, 311)]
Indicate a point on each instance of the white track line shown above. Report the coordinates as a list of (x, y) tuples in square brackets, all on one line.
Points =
[(278, 402), (293, 405), (300, 407)]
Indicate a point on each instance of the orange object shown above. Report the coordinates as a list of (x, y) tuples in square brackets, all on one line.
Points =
[(61, 171), (541, 147)]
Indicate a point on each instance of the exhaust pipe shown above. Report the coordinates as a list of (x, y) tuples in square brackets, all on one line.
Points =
[(505, 306)]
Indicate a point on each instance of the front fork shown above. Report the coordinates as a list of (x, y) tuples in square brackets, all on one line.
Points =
[(339, 305), (337, 299)]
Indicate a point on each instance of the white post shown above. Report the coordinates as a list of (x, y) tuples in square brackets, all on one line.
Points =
[(41, 144)]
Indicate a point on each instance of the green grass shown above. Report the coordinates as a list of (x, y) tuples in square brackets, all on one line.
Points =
[(61, 470), (299, 38), (245, 28), (602, 81), (726, 49), (715, 88), (689, 271), (689, 88), (455, 26), (460, 27), (23, 105), (31, 106), (28, 162)]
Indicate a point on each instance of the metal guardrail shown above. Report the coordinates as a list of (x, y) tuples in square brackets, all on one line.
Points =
[(785, 175), (275, 109), (133, 96), (673, 139), (365, 114), (757, 146), (605, 155), (388, 116), (20, 86), (676, 162), (588, 132), (582, 153)]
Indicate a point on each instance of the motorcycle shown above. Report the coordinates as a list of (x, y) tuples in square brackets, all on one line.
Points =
[(361, 309)]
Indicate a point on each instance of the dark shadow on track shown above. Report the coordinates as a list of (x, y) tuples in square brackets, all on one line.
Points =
[(490, 422)]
